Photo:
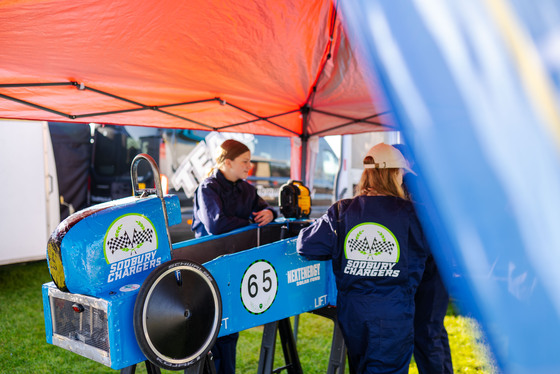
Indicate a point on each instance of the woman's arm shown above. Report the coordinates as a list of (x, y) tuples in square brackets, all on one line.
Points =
[(211, 213), (318, 241)]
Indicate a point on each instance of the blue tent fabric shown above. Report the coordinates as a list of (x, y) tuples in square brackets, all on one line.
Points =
[(461, 77)]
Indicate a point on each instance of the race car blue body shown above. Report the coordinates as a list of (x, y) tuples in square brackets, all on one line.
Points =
[(106, 253)]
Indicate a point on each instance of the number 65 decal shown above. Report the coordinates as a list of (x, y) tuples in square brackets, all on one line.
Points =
[(259, 287)]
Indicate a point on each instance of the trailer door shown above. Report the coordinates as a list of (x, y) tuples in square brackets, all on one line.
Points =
[(29, 202)]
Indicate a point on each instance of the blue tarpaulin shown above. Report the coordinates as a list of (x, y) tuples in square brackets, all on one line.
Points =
[(477, 99)]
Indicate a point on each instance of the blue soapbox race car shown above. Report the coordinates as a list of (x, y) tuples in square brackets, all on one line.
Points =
[(123, 294)]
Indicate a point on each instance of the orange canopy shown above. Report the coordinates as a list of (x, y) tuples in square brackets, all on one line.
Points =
[(272, 67)]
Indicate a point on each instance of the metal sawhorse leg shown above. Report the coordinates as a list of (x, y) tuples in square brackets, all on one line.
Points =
[(205, 366), (291, 358), (337, 359)]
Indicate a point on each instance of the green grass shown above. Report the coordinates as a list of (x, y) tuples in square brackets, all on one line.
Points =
[(23, 347)]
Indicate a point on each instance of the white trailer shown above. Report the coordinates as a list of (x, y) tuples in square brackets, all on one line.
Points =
[(353, 149), (29, 208)]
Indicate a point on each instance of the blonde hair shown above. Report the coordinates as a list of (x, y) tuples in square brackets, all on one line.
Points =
[(229, 150), (380, 181)]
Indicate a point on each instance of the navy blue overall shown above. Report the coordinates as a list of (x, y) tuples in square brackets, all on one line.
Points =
[(378, 252), (431, 344), (221, 206)]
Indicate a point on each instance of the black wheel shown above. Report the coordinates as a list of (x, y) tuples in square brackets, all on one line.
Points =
[(177, 314)]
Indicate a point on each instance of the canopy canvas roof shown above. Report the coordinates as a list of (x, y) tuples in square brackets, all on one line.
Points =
[(473, 86), (263, 67)]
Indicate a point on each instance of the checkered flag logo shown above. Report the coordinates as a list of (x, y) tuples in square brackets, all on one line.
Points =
[(129, 235), (140, 237), (370, 241), (361, 245), (120, 243), (379, 247), (376, 248)]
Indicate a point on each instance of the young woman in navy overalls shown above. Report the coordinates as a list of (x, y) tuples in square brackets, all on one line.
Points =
[(378, 252), (224, 202)]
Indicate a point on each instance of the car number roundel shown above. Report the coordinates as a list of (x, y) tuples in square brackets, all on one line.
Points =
[(259, 287)]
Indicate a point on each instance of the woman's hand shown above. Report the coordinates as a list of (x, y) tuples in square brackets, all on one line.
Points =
[(263, 217)]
